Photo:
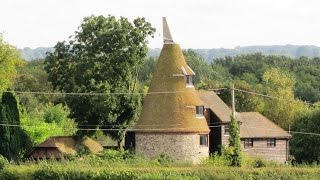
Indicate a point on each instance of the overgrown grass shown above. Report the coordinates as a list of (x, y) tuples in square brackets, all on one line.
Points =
[(124, 165)]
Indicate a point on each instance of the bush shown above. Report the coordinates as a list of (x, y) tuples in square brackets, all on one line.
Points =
[(163, 159), (259, 163), (113, 155), (217, 160), (5, 175), (3, 162)]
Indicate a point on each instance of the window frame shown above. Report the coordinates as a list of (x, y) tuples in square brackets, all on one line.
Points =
[(205, 141), (271, 142), (226, 133), (248, 143), (202, 112), (188, 79)]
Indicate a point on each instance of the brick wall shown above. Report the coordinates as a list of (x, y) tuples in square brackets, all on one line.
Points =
[(260, 149), (183, 147)]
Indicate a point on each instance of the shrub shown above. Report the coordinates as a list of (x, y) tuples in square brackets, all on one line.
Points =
[(163, 159), (3, 162), (259, 163), (113, 155), (217, 160), (5, 175), (83, 151), (236, 156)]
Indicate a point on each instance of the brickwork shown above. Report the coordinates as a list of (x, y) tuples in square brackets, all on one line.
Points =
[(260, 149), (184, 147)]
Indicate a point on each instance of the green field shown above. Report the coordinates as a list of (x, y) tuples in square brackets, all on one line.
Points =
[(113, 165)]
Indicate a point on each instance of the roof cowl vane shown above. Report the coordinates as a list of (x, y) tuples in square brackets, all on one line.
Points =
[(167, 38)]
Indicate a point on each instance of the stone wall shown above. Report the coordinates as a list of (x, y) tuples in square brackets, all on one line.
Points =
[(260, 149), (184, 147)]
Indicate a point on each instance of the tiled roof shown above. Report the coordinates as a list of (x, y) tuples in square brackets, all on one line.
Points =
[(174, 110), (218, 107), (255, 125)]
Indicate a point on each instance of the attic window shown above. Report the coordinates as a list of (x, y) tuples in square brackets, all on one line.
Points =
[(199, 111), (189, 80), (203, 140)]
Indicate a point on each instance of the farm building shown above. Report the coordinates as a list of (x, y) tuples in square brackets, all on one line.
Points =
[(188, 125), (172, 120), (260, 137), (59, 146)]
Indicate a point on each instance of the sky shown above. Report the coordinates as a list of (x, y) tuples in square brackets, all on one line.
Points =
[(193, 23)]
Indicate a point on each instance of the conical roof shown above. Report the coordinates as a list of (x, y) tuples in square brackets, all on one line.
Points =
[(170, 105)]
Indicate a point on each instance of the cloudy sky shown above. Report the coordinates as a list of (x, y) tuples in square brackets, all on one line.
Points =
[(194, 23)]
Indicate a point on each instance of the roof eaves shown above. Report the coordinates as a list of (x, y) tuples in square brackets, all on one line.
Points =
[(183, 70), (193, 73), (265, 137)]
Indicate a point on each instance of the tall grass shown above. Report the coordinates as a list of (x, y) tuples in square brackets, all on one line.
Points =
[(124, 165)]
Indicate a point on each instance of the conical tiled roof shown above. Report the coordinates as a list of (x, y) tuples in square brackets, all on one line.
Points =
[(170, 106)]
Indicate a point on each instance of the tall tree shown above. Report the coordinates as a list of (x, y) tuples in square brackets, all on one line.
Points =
[(284, 108), (305, 147), (33, 77), (10, 132), (104, 56), (9, 61)]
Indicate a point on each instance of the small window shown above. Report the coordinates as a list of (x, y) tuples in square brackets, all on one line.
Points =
[(204, 140), (226, 129), (248, 143), (199, 111), (271, 143), (189, 80)]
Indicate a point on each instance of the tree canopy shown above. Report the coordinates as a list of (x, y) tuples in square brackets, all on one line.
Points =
[(305, 147), (9, 61), (103, 56)]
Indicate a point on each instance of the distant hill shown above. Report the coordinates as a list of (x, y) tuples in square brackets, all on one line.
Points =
[(287, 50), (209, 54), (37, 53)]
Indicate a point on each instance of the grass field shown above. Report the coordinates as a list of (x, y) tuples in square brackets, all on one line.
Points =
[(114, 165)]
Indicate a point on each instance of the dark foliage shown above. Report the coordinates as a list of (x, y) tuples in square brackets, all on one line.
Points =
[(13, 140)]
